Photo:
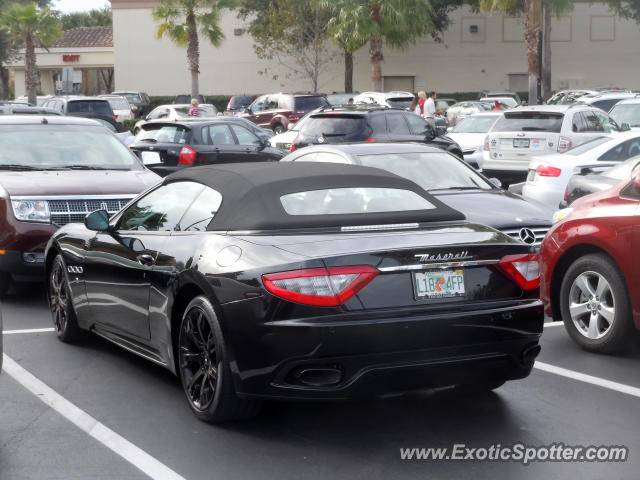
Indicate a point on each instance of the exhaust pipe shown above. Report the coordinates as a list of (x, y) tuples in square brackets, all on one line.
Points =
[(318, 376)]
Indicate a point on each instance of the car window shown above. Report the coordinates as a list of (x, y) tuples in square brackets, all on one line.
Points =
[(157, 113), (118, 104), (333, 125), (400, 102), (626, 113), (220, 135), (592, 122), (161, 209), (258, 105), (90, 106), (396, 124), (475, 124), (417, 124), (244, 136), (201, 211), (605, 104), (106, 124), (271, 103), (578, 124), (353, 200), (529, 121), (633, 148), (308, 103), (158, 133), (378, 123), (614, 154), (607, 124)]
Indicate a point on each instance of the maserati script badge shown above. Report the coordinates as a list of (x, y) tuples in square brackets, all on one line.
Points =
[(426, 257)]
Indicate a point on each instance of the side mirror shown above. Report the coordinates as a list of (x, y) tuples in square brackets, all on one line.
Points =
[(290, 126), (97, 221), (625, 127), (495, 182)]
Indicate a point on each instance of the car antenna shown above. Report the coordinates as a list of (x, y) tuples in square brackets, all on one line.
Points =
[(45, 121)]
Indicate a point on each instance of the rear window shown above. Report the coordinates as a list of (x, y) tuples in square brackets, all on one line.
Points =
[(400, 102), (333, 125), (529, 122), (203, 111), (626, 113), (162, 134), (118, 104), (132, 97), (475, 124), (307, 103), (353, 200), (90, 106), (240, 101)]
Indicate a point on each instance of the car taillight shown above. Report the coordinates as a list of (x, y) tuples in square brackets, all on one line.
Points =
[(293, 148), (370, 140), (293, 118), (114, 117), (486, 143), (564, 144), (134, 109), (322, 287), (548, 171), (566, 194), (522, 269), (187, 156)]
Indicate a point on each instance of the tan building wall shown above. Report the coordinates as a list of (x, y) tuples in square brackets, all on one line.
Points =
[(590, 47)]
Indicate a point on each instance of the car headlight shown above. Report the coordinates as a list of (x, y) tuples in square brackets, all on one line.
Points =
[(31, 210), (561, 214)]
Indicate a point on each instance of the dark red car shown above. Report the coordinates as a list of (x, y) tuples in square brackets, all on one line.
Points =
[(277, 110), (590, 275)]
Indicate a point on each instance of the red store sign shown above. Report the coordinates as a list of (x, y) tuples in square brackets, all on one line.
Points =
[(70, 58)]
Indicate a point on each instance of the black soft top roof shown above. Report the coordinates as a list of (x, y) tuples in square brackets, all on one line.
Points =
[(251, 194)]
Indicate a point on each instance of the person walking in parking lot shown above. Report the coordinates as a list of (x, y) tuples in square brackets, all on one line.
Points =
[(193, 111), (422, 98), (429, 110)]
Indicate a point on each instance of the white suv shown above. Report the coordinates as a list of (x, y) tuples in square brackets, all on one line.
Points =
[(525, 132), (390, 99)]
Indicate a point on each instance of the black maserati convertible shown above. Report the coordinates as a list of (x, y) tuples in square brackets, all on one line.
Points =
[(298, 281)]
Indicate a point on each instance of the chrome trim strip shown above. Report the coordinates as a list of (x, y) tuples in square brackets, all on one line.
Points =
[(431, 266), (122, 196), (389, 226)]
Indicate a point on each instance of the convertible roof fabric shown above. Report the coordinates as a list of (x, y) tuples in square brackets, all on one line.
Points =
[(251, 194)]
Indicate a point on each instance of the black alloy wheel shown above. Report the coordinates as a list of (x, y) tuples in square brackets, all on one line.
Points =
[(62, 313), (203, 367), (278, 129)]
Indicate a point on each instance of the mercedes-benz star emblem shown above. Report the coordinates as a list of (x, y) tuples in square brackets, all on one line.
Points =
[(527, 236)]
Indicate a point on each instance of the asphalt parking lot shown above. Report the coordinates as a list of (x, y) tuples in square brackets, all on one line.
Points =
[(139, 410)]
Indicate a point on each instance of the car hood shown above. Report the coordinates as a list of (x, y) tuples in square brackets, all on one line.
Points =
[(498, 209), (77, 182), (284, 137), (468, 140)]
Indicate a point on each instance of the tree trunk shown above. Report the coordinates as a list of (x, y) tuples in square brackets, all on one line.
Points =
[(30, 70), (546, 56), (532, 29), (375, 50), (4, 83), (348, 71), (193, 53)]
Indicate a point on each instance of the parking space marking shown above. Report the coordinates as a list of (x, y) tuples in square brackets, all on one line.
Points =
[(85, 422), (28, 330), (553, 324), (583, 377)]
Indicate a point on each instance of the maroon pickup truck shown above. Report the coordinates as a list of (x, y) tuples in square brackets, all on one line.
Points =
[(53, 171)]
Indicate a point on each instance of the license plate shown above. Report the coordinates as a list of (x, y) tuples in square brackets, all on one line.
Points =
[(149, 158), (439, 283), (520, 143)]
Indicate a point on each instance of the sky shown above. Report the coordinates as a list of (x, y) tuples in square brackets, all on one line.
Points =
[(67, 6)]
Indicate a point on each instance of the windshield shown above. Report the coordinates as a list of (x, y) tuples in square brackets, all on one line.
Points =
[(46, 147), (430, 170), (90, 106), (588, 145), (353, 200), (401, 102), (155, 133), (339, 98), (626, 113), (529, 122), (508, 101), (475, 124), (203, 111), (308, 103), (118, 103)]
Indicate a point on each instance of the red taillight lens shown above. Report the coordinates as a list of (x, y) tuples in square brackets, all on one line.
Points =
[(566, 194), (187, 156), (548, 171), (486, 143), (293, 147), (134, 109), (564, 144), (114, 117), (322, 287), (522, 269), (370, 140)]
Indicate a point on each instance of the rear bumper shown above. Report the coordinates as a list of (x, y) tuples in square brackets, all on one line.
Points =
[(355, 355)]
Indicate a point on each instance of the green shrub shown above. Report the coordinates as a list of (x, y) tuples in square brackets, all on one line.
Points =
[(129, 124)]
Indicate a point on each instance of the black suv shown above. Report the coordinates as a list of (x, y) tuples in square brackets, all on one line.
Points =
[(66, 105), (362, 123)]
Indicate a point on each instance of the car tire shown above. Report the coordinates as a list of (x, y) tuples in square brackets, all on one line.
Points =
[(278, 129), (203, 367), (62, 312), (5, 283), (595, 305)]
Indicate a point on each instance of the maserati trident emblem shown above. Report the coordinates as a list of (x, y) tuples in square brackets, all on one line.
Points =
[(443, 257), (527, 236), (103, 206)]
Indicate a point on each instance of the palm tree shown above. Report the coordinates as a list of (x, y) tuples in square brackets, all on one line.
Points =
[(181, 21), (28, 25), (399, 23)]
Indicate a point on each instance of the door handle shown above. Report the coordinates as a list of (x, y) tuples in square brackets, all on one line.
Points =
[(145, 259)]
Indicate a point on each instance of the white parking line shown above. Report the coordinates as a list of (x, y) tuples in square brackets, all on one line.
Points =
[(553, 324), (583, 377), (85, 422), (28, 330)]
